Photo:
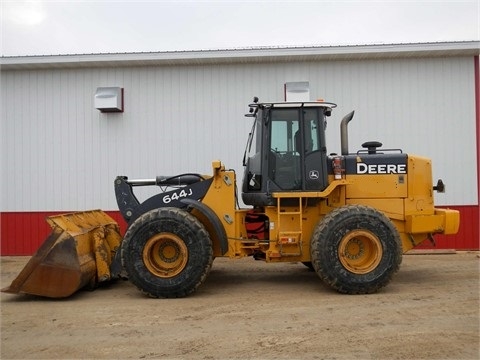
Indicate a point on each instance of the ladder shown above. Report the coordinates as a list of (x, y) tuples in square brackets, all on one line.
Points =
[(289, 241)]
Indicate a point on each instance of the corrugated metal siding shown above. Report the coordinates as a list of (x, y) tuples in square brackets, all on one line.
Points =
[(63, 154), (423, 106), (58, 153)]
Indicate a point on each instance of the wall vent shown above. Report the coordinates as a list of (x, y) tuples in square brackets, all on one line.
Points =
[(109, 99), (297, 91)]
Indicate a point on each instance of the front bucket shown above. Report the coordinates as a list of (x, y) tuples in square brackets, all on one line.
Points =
[(77, 253)]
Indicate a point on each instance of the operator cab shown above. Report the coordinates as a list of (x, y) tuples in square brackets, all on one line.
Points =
[(286, 150)]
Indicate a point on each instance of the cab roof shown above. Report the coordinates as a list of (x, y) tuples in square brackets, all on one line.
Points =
[(292, 104)]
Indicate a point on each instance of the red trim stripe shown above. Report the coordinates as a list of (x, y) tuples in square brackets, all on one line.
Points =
[(23, 232)]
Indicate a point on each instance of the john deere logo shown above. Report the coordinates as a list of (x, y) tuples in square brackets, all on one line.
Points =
[(313, 174), (363, 168)]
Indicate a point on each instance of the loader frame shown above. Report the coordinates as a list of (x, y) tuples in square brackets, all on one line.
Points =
[(349, 216)]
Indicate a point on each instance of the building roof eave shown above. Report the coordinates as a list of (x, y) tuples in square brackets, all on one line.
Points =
[(244, 55)]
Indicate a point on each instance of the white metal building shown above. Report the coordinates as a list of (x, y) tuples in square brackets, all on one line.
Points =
[(181, 110)]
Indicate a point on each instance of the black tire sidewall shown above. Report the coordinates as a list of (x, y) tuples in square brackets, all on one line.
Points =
[(325, 247), (189, 229)]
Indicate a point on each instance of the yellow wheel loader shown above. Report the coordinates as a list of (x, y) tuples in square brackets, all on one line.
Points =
[(347, 216)]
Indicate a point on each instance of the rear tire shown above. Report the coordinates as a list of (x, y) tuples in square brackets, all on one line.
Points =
[(356, 250), (167, 253)]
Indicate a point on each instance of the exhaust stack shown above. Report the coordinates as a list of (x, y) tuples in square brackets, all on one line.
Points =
[(344, 132)]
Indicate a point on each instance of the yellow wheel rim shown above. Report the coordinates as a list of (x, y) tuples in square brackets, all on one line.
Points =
[(165, 255), (360, 251)]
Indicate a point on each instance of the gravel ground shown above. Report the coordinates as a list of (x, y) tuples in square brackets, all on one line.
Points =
[(252, 310)]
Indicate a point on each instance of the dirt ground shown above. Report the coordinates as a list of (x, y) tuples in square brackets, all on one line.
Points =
[(251, 310)]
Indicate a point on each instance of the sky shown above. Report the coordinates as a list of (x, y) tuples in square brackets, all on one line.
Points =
[(94, 27)]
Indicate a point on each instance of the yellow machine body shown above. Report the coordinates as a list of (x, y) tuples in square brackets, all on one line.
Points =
[(348, 217), (410, 208)]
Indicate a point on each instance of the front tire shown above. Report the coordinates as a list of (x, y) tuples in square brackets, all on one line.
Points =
[(356, 250), (167, 253)]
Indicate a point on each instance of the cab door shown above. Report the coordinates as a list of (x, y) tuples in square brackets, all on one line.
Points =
[(314, 156)]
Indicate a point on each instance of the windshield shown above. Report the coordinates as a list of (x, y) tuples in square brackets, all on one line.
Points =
[(254, 146), (284, 126)]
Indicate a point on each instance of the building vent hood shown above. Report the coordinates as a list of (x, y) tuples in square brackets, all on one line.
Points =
[(109, 99), (297, 91)]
